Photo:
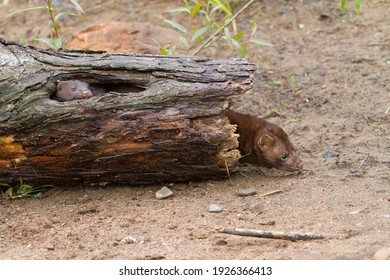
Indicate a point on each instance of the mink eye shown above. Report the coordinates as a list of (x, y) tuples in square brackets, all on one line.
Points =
[(283, 156), (74, 89)]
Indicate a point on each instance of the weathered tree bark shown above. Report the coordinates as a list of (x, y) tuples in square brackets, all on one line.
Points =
[(172, 128)]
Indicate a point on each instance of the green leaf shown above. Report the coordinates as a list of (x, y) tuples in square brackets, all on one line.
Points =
[(58, 43), (216, 8), (243, 53), (240, 47), (196, 8), (25, 189), (164, 51), (238, 36), (187, 5), (27, 9), (37, 195), (224, 5), (254, 28), (70, 14), (177, 26), (260, 42), (54, 44), (184, 41), (9, 192), (35, 40), (77, 5), (357, 5), (199, 32), (343, 5)]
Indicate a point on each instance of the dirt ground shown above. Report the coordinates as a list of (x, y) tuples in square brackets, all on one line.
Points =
[(336, 109)]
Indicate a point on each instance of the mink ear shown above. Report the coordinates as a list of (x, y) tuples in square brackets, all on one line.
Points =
[(265, 141)]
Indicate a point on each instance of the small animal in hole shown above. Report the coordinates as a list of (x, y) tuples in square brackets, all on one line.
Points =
[(263, 143), (72, 89)]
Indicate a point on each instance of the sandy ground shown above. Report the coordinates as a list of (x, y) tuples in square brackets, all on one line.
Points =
[(336, 109)]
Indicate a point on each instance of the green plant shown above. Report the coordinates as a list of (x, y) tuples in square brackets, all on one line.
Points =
[(357, 5), (204, 30), (22, 190), (35, 39), (55, 40), (293, 83)]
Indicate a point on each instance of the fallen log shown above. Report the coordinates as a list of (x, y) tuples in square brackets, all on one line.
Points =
[(168, 126)]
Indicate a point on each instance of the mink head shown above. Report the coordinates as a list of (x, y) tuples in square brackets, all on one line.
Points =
[(274, 149), (73, 89)]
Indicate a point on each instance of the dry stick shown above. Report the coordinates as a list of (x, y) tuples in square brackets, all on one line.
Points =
[(275, 234), (271, 193), (201, 47), (228, 172)]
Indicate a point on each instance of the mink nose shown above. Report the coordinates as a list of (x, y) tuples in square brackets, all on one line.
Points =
[(87, 93)]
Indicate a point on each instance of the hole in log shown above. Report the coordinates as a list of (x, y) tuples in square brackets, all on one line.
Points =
[(115, 87), (68, 90)]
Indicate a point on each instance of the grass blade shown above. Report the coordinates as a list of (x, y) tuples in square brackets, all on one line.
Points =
[(179, 10), (77, 5), (70, 14), (254, 28), (240, 47), (260, 42), (177, 25), (26, 10)]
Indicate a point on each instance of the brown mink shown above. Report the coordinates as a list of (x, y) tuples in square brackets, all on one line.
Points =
[(72, 89), (263, 143)]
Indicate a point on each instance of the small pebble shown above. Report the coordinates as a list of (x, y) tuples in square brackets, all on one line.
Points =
[(163, 193), (382, 254), (356, 212), (356, 172), (221, 242), (328, 154), (50, 247), (246, 192), (128, 240), (267, 223), (213, 208)]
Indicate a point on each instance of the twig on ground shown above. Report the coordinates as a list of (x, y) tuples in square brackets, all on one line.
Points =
[(271, 193), (379, 45), (228, 172), (276, 234)]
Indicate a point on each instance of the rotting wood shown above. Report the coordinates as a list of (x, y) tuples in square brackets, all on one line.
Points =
[(172, 128)]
